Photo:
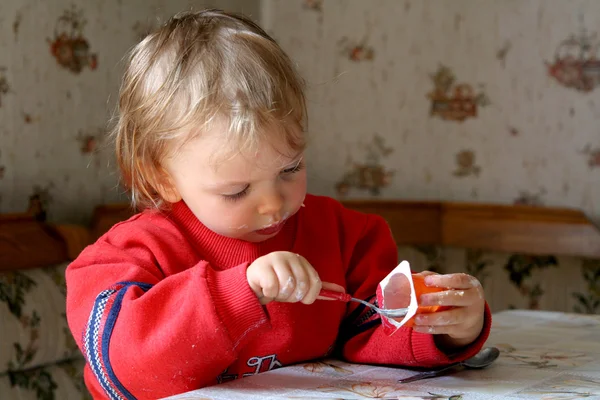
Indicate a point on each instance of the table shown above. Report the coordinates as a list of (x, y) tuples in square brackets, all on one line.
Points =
[(544, 355)]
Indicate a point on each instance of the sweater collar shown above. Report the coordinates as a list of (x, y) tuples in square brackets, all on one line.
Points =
[(223, 252)]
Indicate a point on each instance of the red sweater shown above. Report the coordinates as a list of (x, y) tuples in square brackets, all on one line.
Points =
[(160, 304)]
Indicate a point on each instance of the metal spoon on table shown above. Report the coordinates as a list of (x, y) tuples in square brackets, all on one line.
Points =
[(484, 358)]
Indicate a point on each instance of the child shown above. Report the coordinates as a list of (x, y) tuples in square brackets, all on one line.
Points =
[(218, 277)]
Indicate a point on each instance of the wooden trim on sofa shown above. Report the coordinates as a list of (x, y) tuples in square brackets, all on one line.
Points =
[(28, 243), (75, 237), (107, 215), (504, 228), (521, 229)]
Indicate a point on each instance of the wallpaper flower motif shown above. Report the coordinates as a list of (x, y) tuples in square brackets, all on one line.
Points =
[(29, 119), (316, 5), (2, 167), (4, 87), (503, 52), (356, 51), (465, 164), (575, 63), (90, 140), (39, 200), (70, 48), (454, 101), (530, 199), (593, 156), (513, 131), (369, 175)]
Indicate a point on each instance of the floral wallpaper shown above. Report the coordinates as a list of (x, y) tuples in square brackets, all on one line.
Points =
[(60, 67), (474, 100), (464, 100)]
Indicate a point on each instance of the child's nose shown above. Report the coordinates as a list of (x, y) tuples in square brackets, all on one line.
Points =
[(271, 205)]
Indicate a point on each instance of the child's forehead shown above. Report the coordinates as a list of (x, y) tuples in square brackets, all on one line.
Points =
[(216, 154), (268, 149), (243, 167), (264, 157), (216, 157)]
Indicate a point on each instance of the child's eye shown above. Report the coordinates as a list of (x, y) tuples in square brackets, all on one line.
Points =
[(236, 196), (294, 169)]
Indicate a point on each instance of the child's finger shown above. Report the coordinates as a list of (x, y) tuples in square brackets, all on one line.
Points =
[(441, 318), (302, 279), (426, 272), (453, 281), (287, 282), (437, 330), (269, 283), (456, 322), (450, 298), (312, 273), (314, 282)]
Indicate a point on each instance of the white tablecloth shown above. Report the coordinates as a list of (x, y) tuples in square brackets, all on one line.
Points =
[(544, 355)]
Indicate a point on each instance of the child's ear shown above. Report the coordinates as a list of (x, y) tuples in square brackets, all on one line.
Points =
[(169, 193), (163, 183)]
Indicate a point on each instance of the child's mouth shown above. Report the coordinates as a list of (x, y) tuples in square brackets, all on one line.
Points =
[(271, 229)]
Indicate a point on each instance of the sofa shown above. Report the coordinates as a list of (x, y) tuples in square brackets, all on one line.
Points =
[(38, 356)]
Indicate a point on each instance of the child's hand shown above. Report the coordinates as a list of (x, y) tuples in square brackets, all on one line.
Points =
[(461, 324), (283, 276)]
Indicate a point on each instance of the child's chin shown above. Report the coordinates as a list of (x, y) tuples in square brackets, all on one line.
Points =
[(251, 236), (256, 238)]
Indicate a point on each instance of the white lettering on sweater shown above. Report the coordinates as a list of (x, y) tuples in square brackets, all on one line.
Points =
[(263, 364)]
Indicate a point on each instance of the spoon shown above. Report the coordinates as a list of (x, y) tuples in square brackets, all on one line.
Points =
[(387, 312), (484, 358)]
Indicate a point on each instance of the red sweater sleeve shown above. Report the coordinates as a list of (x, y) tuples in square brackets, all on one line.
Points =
[(146, 333), (364, 339)]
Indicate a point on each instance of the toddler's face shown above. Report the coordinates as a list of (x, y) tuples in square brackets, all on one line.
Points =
[(247, 196)]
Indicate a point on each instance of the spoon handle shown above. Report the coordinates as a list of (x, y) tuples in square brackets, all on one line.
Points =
[(430, 374), (332, 294)]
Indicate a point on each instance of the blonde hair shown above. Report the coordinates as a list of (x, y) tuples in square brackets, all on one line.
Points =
[(195, 68)]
